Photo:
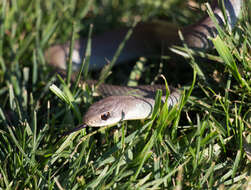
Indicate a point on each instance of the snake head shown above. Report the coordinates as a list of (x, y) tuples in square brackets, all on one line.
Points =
[(114, 109)]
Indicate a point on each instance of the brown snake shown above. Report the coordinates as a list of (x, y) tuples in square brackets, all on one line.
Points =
[(129, 103)]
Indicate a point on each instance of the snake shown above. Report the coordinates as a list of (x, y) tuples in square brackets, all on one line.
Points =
[(122, 103)]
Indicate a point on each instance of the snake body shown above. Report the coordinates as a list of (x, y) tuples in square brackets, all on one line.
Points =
[(128, 103)]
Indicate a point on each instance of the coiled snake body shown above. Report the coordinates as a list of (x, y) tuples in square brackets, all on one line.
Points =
[(128, 103)]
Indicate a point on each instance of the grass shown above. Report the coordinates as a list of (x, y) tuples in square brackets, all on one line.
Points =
[(197, 145)]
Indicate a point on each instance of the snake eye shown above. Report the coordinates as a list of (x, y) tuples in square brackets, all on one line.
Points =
[(105, 116)]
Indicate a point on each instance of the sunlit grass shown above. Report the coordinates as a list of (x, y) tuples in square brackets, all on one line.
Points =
[(198, 144)]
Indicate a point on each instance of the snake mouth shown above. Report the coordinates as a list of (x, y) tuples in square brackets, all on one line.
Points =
[(99, 123)]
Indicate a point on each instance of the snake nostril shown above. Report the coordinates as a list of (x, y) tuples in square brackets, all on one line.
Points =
[(105, 116)]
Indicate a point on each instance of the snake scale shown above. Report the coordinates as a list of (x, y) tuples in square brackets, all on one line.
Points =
[(130, 103)]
